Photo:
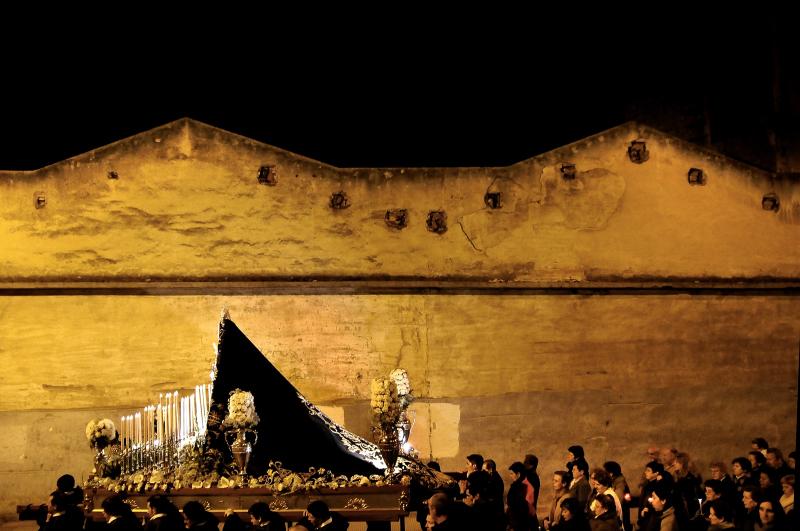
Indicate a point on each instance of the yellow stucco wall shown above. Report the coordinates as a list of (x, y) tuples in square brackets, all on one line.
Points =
[(187, 204)]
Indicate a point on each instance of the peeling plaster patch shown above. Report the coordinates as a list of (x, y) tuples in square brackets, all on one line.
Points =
[(68, 388), (189, 231), (288, 241), (589, 201), (340, 229), (87, 256), (225, 242)]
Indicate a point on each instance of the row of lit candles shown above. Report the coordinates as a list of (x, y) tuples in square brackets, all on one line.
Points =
[(174, 417)]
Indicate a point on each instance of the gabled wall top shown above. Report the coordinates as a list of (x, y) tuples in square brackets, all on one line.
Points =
[(191, 201)]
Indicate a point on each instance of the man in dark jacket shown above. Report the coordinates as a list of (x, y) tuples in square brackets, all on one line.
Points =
[(322, 517)]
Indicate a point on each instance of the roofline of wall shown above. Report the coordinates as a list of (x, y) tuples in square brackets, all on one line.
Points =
[(344, 286)]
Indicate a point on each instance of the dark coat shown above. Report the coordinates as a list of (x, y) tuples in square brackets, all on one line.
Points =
[(605, 522), (337, 523)]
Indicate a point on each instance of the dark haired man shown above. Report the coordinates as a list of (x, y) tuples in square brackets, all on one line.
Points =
[(322, 517), (197, 518), (118, 514), (264, 519), (164, 516), (62, 515), (759, 444), (652, 474), (496, 487), (580, 487), (439, 512), (776, 466)]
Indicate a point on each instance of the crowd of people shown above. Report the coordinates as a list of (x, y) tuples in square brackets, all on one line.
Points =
[(755, 494), (65, 513)]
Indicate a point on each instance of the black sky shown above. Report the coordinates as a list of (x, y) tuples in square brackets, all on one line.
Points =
[(398, 99)]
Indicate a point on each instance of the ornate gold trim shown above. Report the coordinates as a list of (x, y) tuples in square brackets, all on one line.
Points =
[(356, 503)]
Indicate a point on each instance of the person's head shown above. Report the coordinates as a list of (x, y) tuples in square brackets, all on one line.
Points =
[(159, 504), (758, 444), (599, 480), (718, 470), (439, 506), (434, 465), (770, 512), (580, 468), (660, 498), (652, 470), (787, 484), (317, 512), (531, 462), (490, 466), (429, 522), (517, 470), (719, 512), (65, 483), (56, 502), (193, 512), (114, 506), (751, 495), (575, 452), (791, 460), (259, 513), (602, 504), (756, 459), (774, 458), (473, 494), (764, 480), (741, 466), (666, 456), (713, 489), (560, 480), (474, 462), (570, 509), (613, 468), (652, 453)]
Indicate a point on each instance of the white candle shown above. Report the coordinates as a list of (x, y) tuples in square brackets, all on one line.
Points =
[(175, 406)]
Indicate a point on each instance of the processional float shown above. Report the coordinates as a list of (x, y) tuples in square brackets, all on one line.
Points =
[(250, 435)]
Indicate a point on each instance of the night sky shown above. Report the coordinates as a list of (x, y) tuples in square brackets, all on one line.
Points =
[(417, 99)]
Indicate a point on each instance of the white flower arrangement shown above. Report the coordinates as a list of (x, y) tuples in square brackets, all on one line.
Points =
[(241, 410), (383, 403), (101, 433), (401, 380)]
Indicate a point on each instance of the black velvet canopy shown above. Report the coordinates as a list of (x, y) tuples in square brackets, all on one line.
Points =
[(291, 429)]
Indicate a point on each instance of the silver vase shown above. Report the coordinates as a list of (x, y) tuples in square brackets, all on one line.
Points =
[(241, 448)]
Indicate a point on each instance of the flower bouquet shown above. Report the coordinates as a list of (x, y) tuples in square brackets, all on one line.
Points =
[(241, 421), (101, 434), (385, 409), (241, 410)]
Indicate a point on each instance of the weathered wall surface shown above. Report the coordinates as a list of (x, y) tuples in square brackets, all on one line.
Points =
[(498, 371), (187, 204), (499, 374)]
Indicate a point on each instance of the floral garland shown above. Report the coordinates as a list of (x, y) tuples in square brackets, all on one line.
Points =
[(383, 402), (280, 480), (101, 433), (241, 410)]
